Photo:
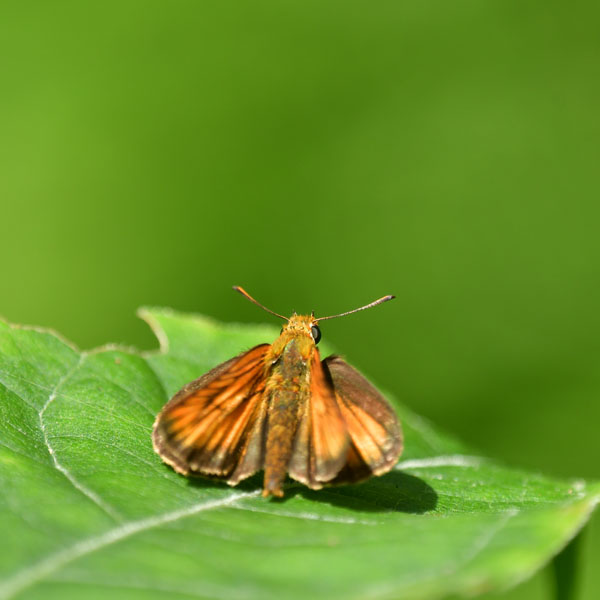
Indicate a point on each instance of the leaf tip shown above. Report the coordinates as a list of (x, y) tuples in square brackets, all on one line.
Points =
[(148, 315)]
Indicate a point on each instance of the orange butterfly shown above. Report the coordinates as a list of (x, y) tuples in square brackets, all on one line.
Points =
[(278, 407)]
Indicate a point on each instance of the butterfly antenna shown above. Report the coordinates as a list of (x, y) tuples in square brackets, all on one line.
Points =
[(243, 292), (375, 303)]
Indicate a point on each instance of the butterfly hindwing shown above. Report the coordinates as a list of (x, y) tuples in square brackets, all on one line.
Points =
[(374, 430)]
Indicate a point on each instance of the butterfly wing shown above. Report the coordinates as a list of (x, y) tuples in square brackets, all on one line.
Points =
[(322, 441), (214, 426), (375, 433)]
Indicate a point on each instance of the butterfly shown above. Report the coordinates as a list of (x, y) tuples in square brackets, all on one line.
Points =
[(280, 408)]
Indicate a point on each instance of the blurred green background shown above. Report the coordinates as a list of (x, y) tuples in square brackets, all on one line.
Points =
[(322, 154)]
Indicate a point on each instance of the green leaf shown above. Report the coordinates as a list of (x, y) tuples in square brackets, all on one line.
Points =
[(87, 509)]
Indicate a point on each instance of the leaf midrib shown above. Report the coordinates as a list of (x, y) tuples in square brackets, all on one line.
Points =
[(36, 572)]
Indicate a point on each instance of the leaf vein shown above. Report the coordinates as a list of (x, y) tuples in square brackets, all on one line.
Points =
[(52, 563), (90, 494)]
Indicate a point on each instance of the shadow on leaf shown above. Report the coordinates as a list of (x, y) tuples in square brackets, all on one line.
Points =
[(205, 481), (393, 492)]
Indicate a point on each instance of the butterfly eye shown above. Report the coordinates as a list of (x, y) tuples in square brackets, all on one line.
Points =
[(316, 333)]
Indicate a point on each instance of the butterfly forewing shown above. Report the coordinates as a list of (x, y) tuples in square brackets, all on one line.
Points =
[(214, 425), (330, 438), (322, 440), (375, 434)]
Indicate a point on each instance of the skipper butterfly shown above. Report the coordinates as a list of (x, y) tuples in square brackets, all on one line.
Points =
[(280, 408)]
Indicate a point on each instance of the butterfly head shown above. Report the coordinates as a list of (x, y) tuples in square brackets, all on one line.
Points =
[(302, 325), (303, 329)]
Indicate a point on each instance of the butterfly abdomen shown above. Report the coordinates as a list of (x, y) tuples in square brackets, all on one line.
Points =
[(287, 391)]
